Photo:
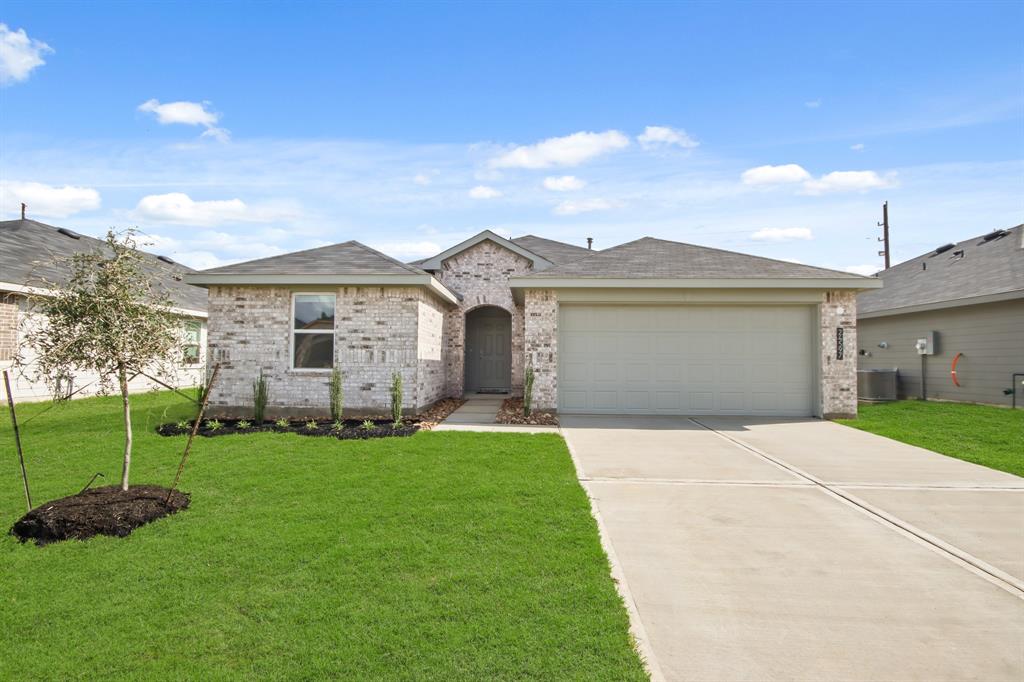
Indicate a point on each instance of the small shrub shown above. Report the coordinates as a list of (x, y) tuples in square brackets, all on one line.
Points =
[(528, 392), (259, 398), (396, 397), (213, 425), (311, 425), (244, 424), (368, 425), (337, 394), (182, 425), (201, 391), (282, 423), (337, 425)]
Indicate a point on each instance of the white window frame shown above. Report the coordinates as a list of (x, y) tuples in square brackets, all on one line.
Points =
[(292, 331)]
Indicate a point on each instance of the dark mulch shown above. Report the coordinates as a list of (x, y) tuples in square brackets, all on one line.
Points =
[(98, 511), (511, 412), (350, 428)]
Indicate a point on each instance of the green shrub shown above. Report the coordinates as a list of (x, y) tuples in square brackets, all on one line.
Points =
[(368, 425), (259, 398), (244, 424), (311, 425), (337, 394), (282, 423), (182, 425), (337, 425), (528, 392), (396, 398), (213, 425)]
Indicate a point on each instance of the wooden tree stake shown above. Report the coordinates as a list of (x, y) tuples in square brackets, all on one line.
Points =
[(17, 439), (195, 429)]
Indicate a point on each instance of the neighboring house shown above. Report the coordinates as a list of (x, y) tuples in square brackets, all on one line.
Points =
[(647, 327), (28, 251), (971, 295)]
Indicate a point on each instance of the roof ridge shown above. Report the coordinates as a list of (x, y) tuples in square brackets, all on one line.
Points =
[(411, 268), (279, 255)]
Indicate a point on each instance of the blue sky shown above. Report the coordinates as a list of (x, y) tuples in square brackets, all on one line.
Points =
[(232, 131)]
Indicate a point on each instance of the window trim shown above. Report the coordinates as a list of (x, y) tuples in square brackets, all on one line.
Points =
[(292, 331), (198, 345)]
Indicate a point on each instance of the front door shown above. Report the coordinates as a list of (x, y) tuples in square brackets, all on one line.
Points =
[(488, 350)]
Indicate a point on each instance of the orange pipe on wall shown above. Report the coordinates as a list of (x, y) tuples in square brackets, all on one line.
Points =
[(952, 371)]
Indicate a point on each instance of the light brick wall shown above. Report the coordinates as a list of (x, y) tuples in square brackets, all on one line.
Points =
[(8, 327), (430, 375), (480, 275), (377, 330), (839, 377), (541, 345)]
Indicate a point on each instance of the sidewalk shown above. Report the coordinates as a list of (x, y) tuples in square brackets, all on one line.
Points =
[(479, 413)]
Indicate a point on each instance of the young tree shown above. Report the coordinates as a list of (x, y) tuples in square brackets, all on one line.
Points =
[(110, 318)]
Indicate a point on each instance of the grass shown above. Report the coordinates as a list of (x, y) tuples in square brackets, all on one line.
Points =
[(986, 435), (440, 556)]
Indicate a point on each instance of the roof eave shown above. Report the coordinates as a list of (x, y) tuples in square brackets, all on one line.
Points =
[(541, 282), (941, 305), (207, 279)]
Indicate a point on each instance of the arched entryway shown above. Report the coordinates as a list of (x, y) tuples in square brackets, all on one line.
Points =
[(488, 350)]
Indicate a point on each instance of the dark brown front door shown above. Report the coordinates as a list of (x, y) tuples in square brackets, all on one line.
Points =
[(488, 350)]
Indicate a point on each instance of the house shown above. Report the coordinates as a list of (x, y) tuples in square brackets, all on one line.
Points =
[(646, 327), (971, 295), (30, 252)]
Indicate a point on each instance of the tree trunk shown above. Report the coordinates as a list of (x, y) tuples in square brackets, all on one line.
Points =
[(122, 377)]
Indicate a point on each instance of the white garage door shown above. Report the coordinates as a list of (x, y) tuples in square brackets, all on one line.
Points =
[(754, 360)]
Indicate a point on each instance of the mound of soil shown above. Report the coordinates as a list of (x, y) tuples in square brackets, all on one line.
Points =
[(98, 511)]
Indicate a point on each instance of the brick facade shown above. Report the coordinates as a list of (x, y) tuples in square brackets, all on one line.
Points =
[(378, 331), (838, 310), (541, 344), (8, 326), (480, 275)]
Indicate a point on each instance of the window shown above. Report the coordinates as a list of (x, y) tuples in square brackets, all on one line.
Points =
[(190, 350), (313, 331)]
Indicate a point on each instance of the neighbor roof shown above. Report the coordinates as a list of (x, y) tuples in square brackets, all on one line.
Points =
[(348, 263), (29, 249), (650, 258), (554, 251), (974, 270)]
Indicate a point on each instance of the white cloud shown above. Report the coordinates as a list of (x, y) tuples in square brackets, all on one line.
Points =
[(866, 270), (775, 175), (187, 113), (848, 181), (178, 207), (408, 250), (813, 104), (424, 179), (782, 234), (654, 137), (19, 55), (47, 200), (484, 192), (574, 207), (571, 150), (859, 147), (564, 183), (209, 249)]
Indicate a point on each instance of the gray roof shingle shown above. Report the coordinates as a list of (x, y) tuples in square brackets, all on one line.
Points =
[(28, 249), (554, 251), (974, 267), (650, 258), (347, 258)]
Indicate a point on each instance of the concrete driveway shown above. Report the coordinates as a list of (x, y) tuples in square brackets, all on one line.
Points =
[(804, 550)]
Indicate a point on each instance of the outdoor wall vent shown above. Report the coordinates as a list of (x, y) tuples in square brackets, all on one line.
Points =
[(944, 248), (68, 233), (165, 259)]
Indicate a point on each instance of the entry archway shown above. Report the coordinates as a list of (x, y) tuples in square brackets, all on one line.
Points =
[(488, 348)]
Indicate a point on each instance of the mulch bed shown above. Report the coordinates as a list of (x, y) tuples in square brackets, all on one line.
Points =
[(348, 429), (511, 412), (98, 511)]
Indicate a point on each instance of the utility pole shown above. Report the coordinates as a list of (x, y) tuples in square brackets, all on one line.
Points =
[(885, 233)]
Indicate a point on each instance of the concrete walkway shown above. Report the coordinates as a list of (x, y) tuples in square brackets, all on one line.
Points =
[(479, 413), (805, 550)]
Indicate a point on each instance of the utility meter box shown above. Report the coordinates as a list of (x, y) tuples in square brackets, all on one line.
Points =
[(926, 344)]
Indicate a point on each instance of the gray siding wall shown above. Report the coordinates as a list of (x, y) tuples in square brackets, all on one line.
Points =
[(991, 337)]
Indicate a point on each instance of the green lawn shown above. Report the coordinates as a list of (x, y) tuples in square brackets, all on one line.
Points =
[(440, 556), (991, 436)]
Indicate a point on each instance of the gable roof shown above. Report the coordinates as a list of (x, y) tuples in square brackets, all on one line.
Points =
[(347, 258), (434, 262), (28, 249), (348, 263), (554, 251), (659, 259), (972, 271)]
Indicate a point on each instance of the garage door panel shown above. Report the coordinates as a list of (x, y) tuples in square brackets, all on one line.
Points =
[(686, 359)]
